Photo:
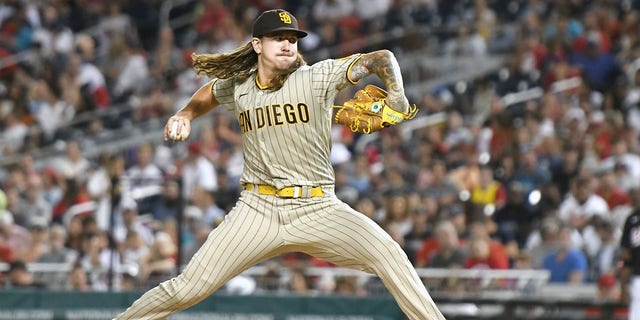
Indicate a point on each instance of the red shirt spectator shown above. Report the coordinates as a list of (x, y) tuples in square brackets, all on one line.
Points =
[(486, 254), (6, 253)]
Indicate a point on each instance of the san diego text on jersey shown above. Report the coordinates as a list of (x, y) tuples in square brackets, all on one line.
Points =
[(273, 115)]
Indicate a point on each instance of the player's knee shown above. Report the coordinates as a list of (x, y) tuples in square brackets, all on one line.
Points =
[(390, 250), (179, 290)]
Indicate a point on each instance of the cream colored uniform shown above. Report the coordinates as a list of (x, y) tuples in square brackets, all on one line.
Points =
[(286, 142)]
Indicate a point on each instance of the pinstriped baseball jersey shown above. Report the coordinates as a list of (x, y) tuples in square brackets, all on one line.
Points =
[(286, 133)]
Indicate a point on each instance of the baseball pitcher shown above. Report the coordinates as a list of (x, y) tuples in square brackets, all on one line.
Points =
[(285, 109)]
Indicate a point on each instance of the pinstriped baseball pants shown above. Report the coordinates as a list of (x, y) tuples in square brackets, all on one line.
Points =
[(263, 226)]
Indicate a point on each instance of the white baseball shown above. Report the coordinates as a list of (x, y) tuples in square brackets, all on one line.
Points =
[(173, 133)]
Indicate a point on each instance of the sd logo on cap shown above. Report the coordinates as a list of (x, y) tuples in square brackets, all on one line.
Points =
[(276, 20)]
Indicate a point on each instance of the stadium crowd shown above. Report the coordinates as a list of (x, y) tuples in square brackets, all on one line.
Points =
[(540, 183)]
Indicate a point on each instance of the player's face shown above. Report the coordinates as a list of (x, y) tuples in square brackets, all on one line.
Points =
[(279, 50)]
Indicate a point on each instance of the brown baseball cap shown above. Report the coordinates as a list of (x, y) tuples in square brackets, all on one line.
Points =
[(276, 20)]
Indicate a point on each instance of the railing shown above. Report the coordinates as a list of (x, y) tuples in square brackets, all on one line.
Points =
[(511, 282), (521, 294)]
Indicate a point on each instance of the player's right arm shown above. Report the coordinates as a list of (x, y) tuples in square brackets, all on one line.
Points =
[(201, 102)]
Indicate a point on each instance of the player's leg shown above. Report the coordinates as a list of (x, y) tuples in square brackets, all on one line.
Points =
[(245, 237), (347, 238)]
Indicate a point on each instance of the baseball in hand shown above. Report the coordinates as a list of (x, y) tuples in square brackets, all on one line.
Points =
[(173, 132)]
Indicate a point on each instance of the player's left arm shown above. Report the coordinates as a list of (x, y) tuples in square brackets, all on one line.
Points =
[(372, 108), (383, 64)]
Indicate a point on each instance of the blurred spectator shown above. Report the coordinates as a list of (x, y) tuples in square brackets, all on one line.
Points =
[(50, 110), (14, 133), (209, 16), (488, 191), (450, 254), (130, 72), (440, 186), (530, 173), (623, 156), (515, 220), (170, 203), (299, 283), (567, 264), (99, 189), (35, 206), (604, 261), (543, 241), (73, 164), (607, 289), (482, 257), (598, 66), (199, 231), (57, 252), (19, 277), (241, 285), (145, 179), (130, 221), (160, 263), (580, 208), (420, 229), (75, 231), (51, 185), (87, 75), (227, 192), (40, 245), (332, 10), (563, 172), (75, 201), (348, 285), (6, 252), (197, 171), (397, 214), (468, 42), (54, 37), (100, 259), (608, 189), (204, 200), (133, 250), (17, 238), (368, 207), (485, 253), (78, 280)]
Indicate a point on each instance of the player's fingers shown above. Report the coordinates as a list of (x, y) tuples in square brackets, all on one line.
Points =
[(185, 129), (167, 128)]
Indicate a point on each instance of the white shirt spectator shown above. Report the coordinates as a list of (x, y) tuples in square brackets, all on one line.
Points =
[(74, 164), (54, 116), (54, 42), (133, 76), (197, 171), (571, 210), (13, 135), (571, 207)]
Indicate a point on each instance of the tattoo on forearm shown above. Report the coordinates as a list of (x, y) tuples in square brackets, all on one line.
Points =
[(385, 66)]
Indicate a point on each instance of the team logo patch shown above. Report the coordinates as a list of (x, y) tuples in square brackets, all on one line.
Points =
[(285, 17)]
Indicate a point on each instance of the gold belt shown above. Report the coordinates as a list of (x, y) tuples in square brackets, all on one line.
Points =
[(286, 192)]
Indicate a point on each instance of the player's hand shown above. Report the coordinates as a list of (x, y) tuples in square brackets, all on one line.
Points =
[(177, 128)]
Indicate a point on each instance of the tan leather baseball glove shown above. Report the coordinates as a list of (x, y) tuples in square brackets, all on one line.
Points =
[(368, 111)]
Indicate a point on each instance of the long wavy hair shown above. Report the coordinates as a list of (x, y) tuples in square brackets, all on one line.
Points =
[(240, 64)]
